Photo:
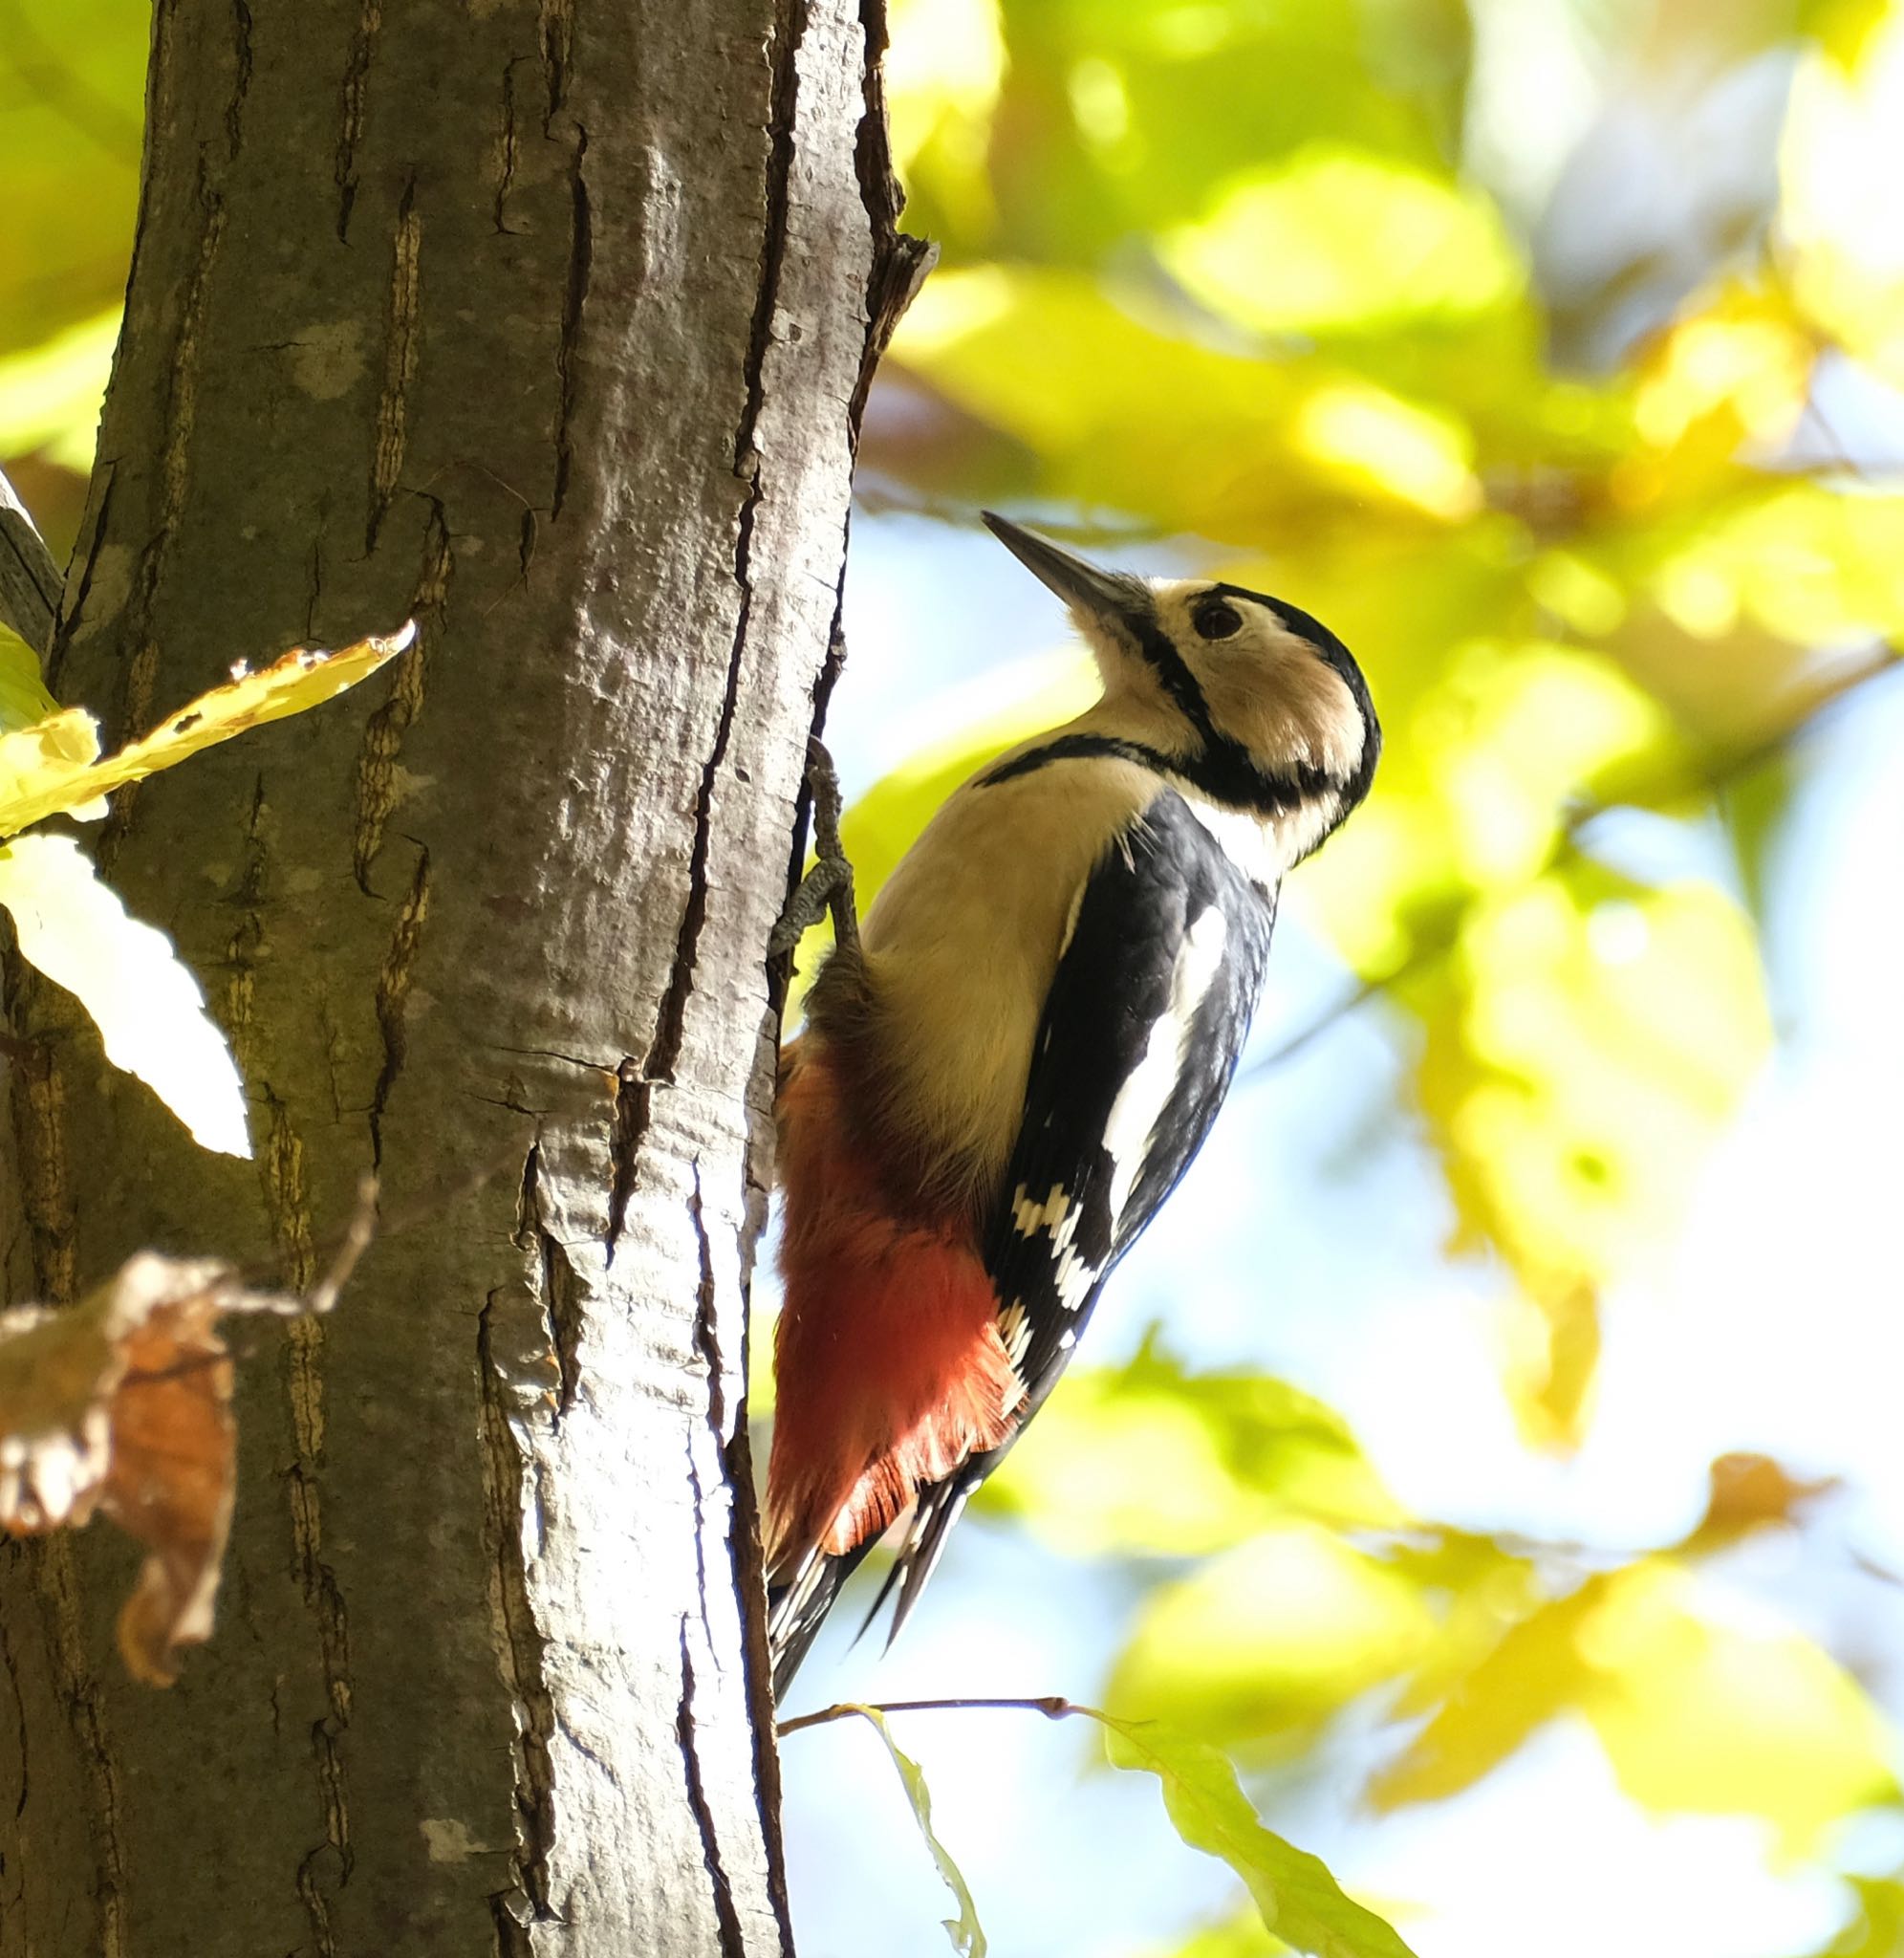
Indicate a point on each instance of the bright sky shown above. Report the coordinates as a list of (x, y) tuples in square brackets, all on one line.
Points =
[(1307, 1241)]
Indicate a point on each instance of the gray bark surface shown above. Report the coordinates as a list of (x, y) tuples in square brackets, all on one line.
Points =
[(546, 323)]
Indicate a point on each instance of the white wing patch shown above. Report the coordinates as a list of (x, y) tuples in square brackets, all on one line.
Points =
[(1147, 1088), (1243, 837)]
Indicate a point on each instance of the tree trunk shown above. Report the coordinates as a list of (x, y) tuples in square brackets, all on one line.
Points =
[(545, 324)]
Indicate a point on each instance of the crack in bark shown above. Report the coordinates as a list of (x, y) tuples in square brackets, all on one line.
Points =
[(246, 942), (734, 1943), (508, 147), (633, 1108), (568, 366), (519, 1652), (79, 1692), (706, 1341), (41, 1160), (561, 1290), (241, 58), (350, 121), (383, 732), (393, 995), (287, 1199), (134, 703), (400, 361), (555, 35), (11, 1667), (634, 1103)]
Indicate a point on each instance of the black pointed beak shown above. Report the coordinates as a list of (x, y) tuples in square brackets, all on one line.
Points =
[(1101, 594)]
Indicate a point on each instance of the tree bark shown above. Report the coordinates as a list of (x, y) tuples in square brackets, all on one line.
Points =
[(546, 324)]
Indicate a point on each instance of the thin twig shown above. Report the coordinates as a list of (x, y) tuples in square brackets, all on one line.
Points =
[(1434, 946), (1052, 1705), (28, 579), (358, 1233)]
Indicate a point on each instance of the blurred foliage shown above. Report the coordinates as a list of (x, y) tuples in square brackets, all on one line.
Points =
[(1279, 286), (1374, 305)]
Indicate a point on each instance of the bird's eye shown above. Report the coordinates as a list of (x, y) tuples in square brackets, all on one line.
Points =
[(1215, 620)]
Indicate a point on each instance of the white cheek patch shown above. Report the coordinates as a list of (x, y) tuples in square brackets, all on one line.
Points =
[(1147, 1090)]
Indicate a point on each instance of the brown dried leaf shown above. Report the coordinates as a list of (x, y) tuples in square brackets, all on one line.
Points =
[(122, 1403)]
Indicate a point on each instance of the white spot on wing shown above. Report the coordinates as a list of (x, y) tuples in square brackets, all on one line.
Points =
[(1147, 1088), (1014, 1330), (1031, 1218)]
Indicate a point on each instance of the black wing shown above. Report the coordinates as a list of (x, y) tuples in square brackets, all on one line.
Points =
[(1135, 1052)]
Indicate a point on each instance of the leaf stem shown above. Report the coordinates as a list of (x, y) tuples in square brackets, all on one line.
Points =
[(1052, 1705)]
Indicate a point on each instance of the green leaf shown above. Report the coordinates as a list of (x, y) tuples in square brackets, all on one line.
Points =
[(71, 109), (968, 1939), (1264, 1643), (23, 695), (1300, 1901), (147, 1005), (1150, 1457)]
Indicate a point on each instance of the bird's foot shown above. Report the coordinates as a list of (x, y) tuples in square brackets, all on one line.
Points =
[(828, 886)]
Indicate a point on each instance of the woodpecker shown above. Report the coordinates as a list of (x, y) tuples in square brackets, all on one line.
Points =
[(1006, 1070)]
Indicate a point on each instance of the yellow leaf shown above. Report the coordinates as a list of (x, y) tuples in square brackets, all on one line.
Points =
[(1534, 1672), (1843, 155), (49, 397), (50, 768), (23, 695), (1601, 1035), (1262, 1643), (1726, 1714), (147, 1005)]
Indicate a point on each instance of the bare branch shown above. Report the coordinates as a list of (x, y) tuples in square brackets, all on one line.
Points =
[(1052, 1705), (30, 582)]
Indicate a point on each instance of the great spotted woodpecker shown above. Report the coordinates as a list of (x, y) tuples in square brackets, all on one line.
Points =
[(1006, 1073)]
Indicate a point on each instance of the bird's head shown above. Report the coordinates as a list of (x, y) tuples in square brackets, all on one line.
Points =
[(1256, 703)]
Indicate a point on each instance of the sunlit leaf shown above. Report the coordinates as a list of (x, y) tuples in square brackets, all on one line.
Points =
[(1240, 1935), (1727, 1715), (1533, 1673), (1877, 1928), (1338, 240), (23, 695), (69, 157), (1699, 1706), (1263, 1643), (1300, 1901), (52, 768), (1600, 1036), (1151, 1458), (1844, 149), (50, 396), (968, 1939), (148, 1008)]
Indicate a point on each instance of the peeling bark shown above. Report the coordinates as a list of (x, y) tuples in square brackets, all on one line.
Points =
[(546, 324)]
